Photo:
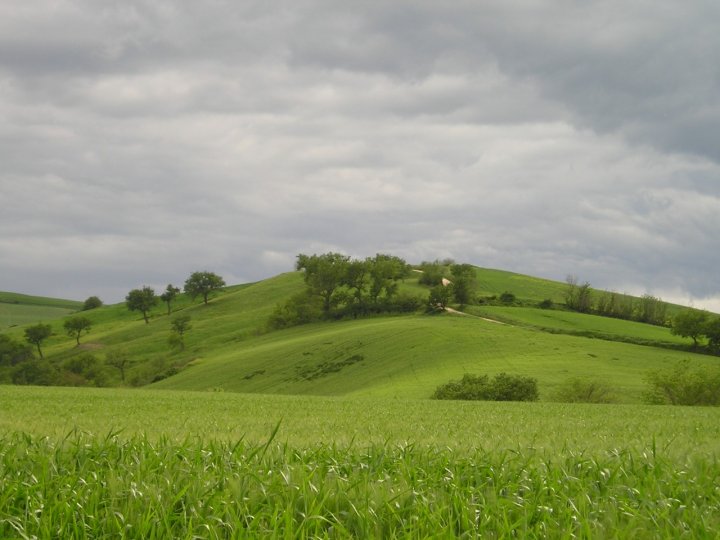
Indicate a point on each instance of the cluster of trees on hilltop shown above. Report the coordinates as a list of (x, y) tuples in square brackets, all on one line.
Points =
[(338, 286)]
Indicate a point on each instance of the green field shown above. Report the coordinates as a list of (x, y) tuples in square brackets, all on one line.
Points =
[(140, 464), (229, 347), (19, 309), (326, 430), (579, 324)]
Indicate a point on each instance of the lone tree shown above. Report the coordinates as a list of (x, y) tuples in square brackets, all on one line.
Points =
[(119, 360), (202, 284), (142, 300), (689, 323), (180, 325), (37, 334), (75, 326), (91, 303), (169, 296)]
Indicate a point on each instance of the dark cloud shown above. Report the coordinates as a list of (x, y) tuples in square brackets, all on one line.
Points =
[(143, 140)]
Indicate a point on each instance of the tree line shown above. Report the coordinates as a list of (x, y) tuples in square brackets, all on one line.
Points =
[(19, 365)]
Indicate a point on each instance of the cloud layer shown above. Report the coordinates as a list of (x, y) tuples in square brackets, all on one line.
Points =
[(144, 140)]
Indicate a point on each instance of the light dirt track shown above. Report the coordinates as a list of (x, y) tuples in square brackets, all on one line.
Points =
[(456, 312)]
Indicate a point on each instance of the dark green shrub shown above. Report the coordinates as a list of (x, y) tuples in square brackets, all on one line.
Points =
[(682, 386), (507, 297), (38, 372), (302, 308), (578, 390), (92, 302), (502, 387), (514, 388), (546, 304)]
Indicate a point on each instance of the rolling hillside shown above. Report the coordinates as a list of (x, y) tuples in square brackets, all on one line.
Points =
[(230, 349), (17, 309)]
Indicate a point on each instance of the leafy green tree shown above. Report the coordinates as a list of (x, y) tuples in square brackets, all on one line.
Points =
[(202, 284), (712, 332), (180, 325), (689, 323), (324, 274), (119, 360), (301, 308), (356, 278), (13, 353), (142, 300), (92, 302), (432, 273), (464, 282), (37, 334), (651, 310), (385, 272), (439, 298), (75, 326), (169, 296), (578, 297)]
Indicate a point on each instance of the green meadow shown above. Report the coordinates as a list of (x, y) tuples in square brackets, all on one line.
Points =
[(19, 309), (88, 463), (326, 430)]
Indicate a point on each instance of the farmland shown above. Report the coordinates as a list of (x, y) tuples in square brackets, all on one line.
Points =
[(99, 462), (18, 309), (326, 430)]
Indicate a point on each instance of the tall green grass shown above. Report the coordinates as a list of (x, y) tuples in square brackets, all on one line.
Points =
[(101, 463), (93, 487)]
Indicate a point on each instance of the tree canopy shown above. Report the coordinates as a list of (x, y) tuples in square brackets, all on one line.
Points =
[(142, 300), (75, 326), (37, 334), (202, 284), (169, 296), (689, 323)]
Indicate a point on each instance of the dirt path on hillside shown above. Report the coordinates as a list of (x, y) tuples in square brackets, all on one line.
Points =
[(456, 312)]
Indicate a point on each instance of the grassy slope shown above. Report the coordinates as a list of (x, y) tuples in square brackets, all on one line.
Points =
[(410, 356), (406, 356), (17, 309), (578, 323)]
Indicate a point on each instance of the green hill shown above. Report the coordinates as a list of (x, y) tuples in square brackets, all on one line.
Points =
[(17, 309), (229, 348)]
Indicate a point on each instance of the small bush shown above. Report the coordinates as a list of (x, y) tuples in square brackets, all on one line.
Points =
[(502, 387), (682, 386), (546, 304), (578, 390), (92, 302), (507, 297)]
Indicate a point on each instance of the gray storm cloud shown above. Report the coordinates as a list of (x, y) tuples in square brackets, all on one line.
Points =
[(144, 140)]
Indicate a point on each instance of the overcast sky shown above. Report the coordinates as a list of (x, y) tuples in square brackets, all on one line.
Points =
[(143, 140)]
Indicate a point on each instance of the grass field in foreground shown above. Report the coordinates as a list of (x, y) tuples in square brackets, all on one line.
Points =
[(142, 464)]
